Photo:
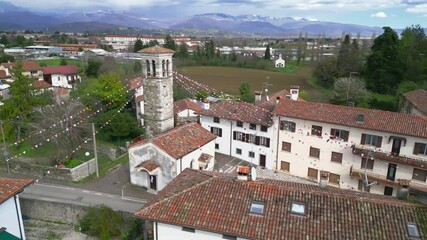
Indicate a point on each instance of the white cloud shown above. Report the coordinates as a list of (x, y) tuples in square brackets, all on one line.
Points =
[(422, 8), (379, 15)]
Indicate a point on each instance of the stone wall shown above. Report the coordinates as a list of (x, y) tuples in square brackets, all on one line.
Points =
[(83, 170)]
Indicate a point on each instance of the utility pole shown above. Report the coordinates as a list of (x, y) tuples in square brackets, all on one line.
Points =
[(5, 153), (94, 150)]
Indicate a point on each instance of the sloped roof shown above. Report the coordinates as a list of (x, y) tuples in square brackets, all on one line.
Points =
[(65, 70), (156, 50), (149, 165), (3, 74), (136, 83), (9, 187), (378, 120), (239, 111), (185, 104), (220, 203), (41, 84), (418, 98), (26, 65), (181, 140)]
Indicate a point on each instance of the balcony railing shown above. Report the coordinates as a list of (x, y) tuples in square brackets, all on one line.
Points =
[(359, 149)]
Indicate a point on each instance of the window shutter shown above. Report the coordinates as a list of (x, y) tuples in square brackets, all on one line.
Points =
[(345, 135), (268, 142), (257, 140), (332, 132), (282, 125), (379, 141), (362, 141), (243, 137), (220, 132), (417, 148), (211, 129), (234, 135)]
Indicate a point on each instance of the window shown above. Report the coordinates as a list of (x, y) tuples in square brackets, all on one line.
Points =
[(217, 146), (257, 208), (239, 151), (59, 78), (252, 126), (239, 136), (316, 130), (388, 191), (250, 138), (216, 131), (251, 154), (373, 140), (314, 152), (362, 186), (367, 163), (298, 208), (419, 175), (287, 126), (263, 141), (334, 178), (413, 230), (339, 134), (239, 123), (420, 148), (312, 173), (216, 119), (225, 236), (187, 229), (284, 166), (264, 128), (336, 157), (286, 146)]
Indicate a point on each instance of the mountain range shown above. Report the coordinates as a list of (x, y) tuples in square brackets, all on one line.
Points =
[(17, 18)]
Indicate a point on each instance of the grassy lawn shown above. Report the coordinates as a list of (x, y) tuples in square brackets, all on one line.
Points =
[(106, 164), (56, 62)]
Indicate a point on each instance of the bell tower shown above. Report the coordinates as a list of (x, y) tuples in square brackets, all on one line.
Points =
[(158, 89)]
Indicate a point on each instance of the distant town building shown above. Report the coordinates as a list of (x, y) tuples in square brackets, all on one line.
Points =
[(29, 69), (127, 42), (414, 102), (279, 63)]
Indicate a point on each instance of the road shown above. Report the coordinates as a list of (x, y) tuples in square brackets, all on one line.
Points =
[(82, 197)]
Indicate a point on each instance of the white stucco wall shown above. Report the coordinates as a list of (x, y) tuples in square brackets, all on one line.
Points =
[(208, 148), (10, 218), (187, 113), (300, 161), (60, 80), (167, 232)]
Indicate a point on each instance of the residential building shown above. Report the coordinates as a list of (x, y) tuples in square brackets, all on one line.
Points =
[(137, 86), (4, 91), (414, 102), (155, 161), (11, 224), (243, 130), (209, 205), (127, 42), (29, 69), (365, 149), (62, 76), (185, 111), (75, 48)]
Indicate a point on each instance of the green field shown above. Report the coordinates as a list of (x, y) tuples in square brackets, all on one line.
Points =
[(229, 79), (56, 62)]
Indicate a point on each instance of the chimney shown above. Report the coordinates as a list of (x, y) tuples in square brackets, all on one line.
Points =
[(294, 92), (278, 100), (243, 173), (258, 96), (205, 104), (403, 189), (324, 177)]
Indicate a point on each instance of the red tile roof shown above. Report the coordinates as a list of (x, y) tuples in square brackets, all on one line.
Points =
[(3, 74), (65, 70), (140, 98), (181, 140), (157, 50), (149, 165), (9, 187), (61, 91), (136, 83), (418, 98), (221, 204), (239, 111), (378, 120), (26, 66), (185, 104), (41, 84)]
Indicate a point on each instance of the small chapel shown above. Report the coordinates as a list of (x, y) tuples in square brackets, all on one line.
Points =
[(280, 62)]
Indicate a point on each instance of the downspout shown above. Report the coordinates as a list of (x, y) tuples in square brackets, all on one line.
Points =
[(277, 145), (231, 136), (180, 165), (157, 232), (18, 217)]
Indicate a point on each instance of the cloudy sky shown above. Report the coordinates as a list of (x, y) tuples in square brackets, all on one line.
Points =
[(394, 13)]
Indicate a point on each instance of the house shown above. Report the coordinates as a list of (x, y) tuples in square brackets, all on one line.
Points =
[(185, 111), (270, 101), (414, 102), (11, 225), (243, 130), (136, 85), (61, 76), (29, 69), (155, 161), (4, 91), (279, 63), (40, 87), (209, 205), (365, 149)]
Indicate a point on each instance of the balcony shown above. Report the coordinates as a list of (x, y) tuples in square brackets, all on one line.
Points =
[(372, 177), (359, 149)]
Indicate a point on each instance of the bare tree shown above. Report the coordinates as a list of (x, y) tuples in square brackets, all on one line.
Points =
[(348, 89)]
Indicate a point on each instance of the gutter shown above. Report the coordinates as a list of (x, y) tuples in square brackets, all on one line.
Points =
[(277, 146), (231, 136)]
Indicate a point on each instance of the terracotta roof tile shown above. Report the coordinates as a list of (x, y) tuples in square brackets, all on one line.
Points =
[(10, 187), (418, 98), (378, 120), (3, 74), (136, 83), (204, 157), (149, 165), (221, 204), (157, 50), (41, 84), (185, 104), (68, 69), (181, 140), (26, 66), (239, 111)]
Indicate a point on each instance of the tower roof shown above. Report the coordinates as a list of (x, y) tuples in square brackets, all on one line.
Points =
[(156, 50)]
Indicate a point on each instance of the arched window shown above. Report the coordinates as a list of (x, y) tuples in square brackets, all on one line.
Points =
[(167, 67), (148, 68), (163, 68), (154, 68)]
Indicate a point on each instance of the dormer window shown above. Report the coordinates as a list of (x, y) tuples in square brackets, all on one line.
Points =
[(257, 208), (413, 230), (298, 208)]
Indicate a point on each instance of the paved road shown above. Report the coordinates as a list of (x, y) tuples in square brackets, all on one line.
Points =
[(83, 197)]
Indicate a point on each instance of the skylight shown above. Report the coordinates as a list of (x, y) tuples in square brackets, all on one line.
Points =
[(298, 208), (413, 230), (257, 208)]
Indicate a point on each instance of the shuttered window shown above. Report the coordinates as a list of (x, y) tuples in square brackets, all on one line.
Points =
[(420, 148), (374, 140), (216, 131), (336, 157), (339, 134), (334, 178), (286, 146), (284, 166), (369, 164), (419, 174), (312, 173), (314, 152), (287, 126)]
